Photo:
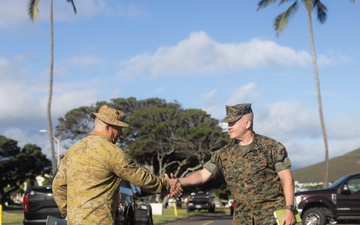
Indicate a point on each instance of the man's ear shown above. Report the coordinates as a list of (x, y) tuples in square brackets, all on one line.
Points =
[(107, 127), (247, 124)]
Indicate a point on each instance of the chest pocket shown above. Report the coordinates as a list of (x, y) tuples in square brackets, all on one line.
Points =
[(258, 164)]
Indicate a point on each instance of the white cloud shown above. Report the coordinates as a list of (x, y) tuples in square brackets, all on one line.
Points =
[(199, 54), (345, 127), (216, 108), (24, 97), (333, 58), (288, 120), (246, 93), (17, 92)]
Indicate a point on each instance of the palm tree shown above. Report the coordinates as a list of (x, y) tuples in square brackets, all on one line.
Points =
[(279, 24), (34, 13)]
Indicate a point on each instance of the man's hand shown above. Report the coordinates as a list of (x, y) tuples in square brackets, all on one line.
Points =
[(175, 186), (288, 218)]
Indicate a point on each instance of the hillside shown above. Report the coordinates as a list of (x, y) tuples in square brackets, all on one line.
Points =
[(338, 167)]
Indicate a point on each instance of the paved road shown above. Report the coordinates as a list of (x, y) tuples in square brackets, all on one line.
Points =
[(205, 219), (216, 219)]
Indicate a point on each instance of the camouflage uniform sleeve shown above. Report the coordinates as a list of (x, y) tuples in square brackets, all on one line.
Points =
[(211, 165), (127, 169), (59, 187), (282, 160)]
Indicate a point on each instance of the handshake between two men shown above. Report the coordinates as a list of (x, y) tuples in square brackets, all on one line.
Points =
[(175, 189), (196, 178)]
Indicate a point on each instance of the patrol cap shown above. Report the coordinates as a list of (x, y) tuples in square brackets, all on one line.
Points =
[(235, 112), (110, 116)]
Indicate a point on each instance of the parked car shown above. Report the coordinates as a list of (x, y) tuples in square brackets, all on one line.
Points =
[(133, 208), (232, 207), (38, 203), (339, 202), (201, 200)]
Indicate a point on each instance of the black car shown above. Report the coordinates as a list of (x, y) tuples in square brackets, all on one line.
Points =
[(201, 200), (133, 207), (338, 203), (38, 203)]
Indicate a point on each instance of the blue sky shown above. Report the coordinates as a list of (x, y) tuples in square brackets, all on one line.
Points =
[(203, 54)]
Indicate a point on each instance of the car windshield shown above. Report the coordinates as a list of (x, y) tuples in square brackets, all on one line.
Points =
[(201, 195), (336, 183)]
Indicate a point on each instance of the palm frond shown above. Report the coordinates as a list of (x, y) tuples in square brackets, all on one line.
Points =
[(284, 1), (308, 5), (73, 5), (282, 19), (321, 11), (265, 3), (33, 9)]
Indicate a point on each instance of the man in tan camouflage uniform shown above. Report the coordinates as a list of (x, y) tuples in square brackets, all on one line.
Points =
[(86, 185), (256, 169)]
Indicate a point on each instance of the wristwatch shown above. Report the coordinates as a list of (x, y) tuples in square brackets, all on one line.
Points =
[(291, 207)]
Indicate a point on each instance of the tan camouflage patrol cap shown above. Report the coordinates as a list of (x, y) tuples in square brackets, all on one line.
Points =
[(235, 112), (110, 116)]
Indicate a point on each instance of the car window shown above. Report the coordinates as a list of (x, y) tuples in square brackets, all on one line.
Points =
[(135, 189), (200, 194), (354, 185), (126, 188)]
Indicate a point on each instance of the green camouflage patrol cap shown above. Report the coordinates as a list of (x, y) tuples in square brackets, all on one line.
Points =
[(110, 116), (235, 112)]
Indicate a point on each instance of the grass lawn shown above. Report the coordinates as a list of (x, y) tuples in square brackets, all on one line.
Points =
[(167, 217), (12, 218), (169, 214)]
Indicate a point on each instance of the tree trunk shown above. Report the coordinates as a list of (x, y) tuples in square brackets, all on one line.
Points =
[(325, 184), (51, 135)]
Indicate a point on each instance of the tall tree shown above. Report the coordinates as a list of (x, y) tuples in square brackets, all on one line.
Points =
[(18, 165), (171, 139), (279, 24), (34, 13)]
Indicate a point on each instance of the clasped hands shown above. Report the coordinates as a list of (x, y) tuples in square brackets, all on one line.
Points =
[(175, 189)]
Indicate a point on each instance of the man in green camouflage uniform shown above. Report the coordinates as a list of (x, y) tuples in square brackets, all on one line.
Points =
[(256, 169), (86, 185)]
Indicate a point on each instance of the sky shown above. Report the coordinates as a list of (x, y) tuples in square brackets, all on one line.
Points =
[(202, 54)]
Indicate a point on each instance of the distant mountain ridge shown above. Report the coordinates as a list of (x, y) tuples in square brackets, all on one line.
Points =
[(338, 167)]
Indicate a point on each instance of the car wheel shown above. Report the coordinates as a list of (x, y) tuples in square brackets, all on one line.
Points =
[(188, 210), (314, 216)]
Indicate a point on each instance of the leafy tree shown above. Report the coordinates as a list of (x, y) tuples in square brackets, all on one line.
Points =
[(17, 165), (279, 24), (75, 125), (170, 139), (34, 13)]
